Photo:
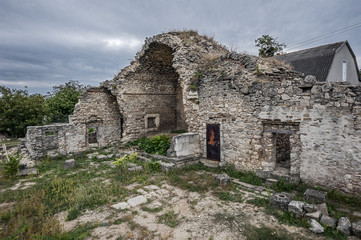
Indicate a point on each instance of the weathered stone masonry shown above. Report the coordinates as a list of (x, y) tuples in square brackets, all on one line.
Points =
[(271, 119), (97, 109), (322, 122)]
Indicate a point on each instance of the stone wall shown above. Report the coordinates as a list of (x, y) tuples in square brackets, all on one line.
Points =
[(158, 83), (321, 119), (98, 109)]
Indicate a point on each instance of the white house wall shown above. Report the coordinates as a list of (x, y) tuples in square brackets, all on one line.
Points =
[(335, 74)]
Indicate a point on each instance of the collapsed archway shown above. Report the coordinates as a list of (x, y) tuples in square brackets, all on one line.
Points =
[(153, 94)]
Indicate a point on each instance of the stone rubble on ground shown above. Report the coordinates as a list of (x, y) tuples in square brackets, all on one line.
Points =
[(328, 221), (69, 164), (138, 200), (222, 179), (271, 181), (314, 215), (344, 226), (323, 208), (314, 196), (296, 207), (310, 208), (102, 157), (121, 205), (28, 171), (316, 227), (280, 200), (356, 229)]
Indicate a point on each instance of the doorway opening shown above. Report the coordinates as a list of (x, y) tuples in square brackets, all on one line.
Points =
[(92, 135), (281, 148), (283, 151), (213, 142)]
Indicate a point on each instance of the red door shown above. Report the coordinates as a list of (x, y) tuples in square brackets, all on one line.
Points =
[(213, 142)]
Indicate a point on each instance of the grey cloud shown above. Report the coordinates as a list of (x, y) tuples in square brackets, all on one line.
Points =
[(49, 42)]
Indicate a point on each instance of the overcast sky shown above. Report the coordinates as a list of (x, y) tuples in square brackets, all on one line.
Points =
[(44, 43)]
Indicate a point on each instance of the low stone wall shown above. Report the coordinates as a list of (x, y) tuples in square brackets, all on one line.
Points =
[(41, 140)]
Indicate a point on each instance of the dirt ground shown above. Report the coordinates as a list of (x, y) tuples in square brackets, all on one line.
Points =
[(197, 216)]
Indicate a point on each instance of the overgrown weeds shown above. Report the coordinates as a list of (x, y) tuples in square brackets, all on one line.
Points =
[(169, 218), (10, 165), (253, 233), (155, 145)]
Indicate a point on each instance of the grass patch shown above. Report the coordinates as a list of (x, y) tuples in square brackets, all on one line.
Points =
[(344, 199), (228, 196), (191, 180), (254, 233), (286, 217), (152, 210), (28, 218), (78, 233), (334, 234), (259, 202), (244, 176), (231, 221), (169, 218)]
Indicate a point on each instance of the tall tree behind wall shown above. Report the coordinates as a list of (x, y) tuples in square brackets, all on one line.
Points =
[(18, 110), (62, 101)]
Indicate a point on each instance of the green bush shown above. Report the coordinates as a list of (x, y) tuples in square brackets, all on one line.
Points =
[(125, 159), (155, 145), (11, 166)]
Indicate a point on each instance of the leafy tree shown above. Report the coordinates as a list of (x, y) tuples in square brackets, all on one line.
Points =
[(18, 110), (62, 101), (268, 46)]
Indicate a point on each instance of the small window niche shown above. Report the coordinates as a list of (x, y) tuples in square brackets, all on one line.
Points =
[(151, 122), (92, 135)]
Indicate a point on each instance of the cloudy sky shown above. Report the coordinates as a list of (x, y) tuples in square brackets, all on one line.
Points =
[(44, 43)]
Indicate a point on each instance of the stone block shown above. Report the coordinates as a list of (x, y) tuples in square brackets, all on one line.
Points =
[(102, 157), (28, 171), (314, 215), (296, 207), (222, 179), (166, 166), (135, 168), (152, 187), (271, 181), (315, 196), (183, 145), (69, 164), (137, 201), (328, 221), (280, 200), (121, 205), (310, 208), (323, 209), (344, 226), (356, 229), (316, 227)]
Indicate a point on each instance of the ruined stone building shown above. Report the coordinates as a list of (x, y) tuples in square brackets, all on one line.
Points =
[(255, 113)]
